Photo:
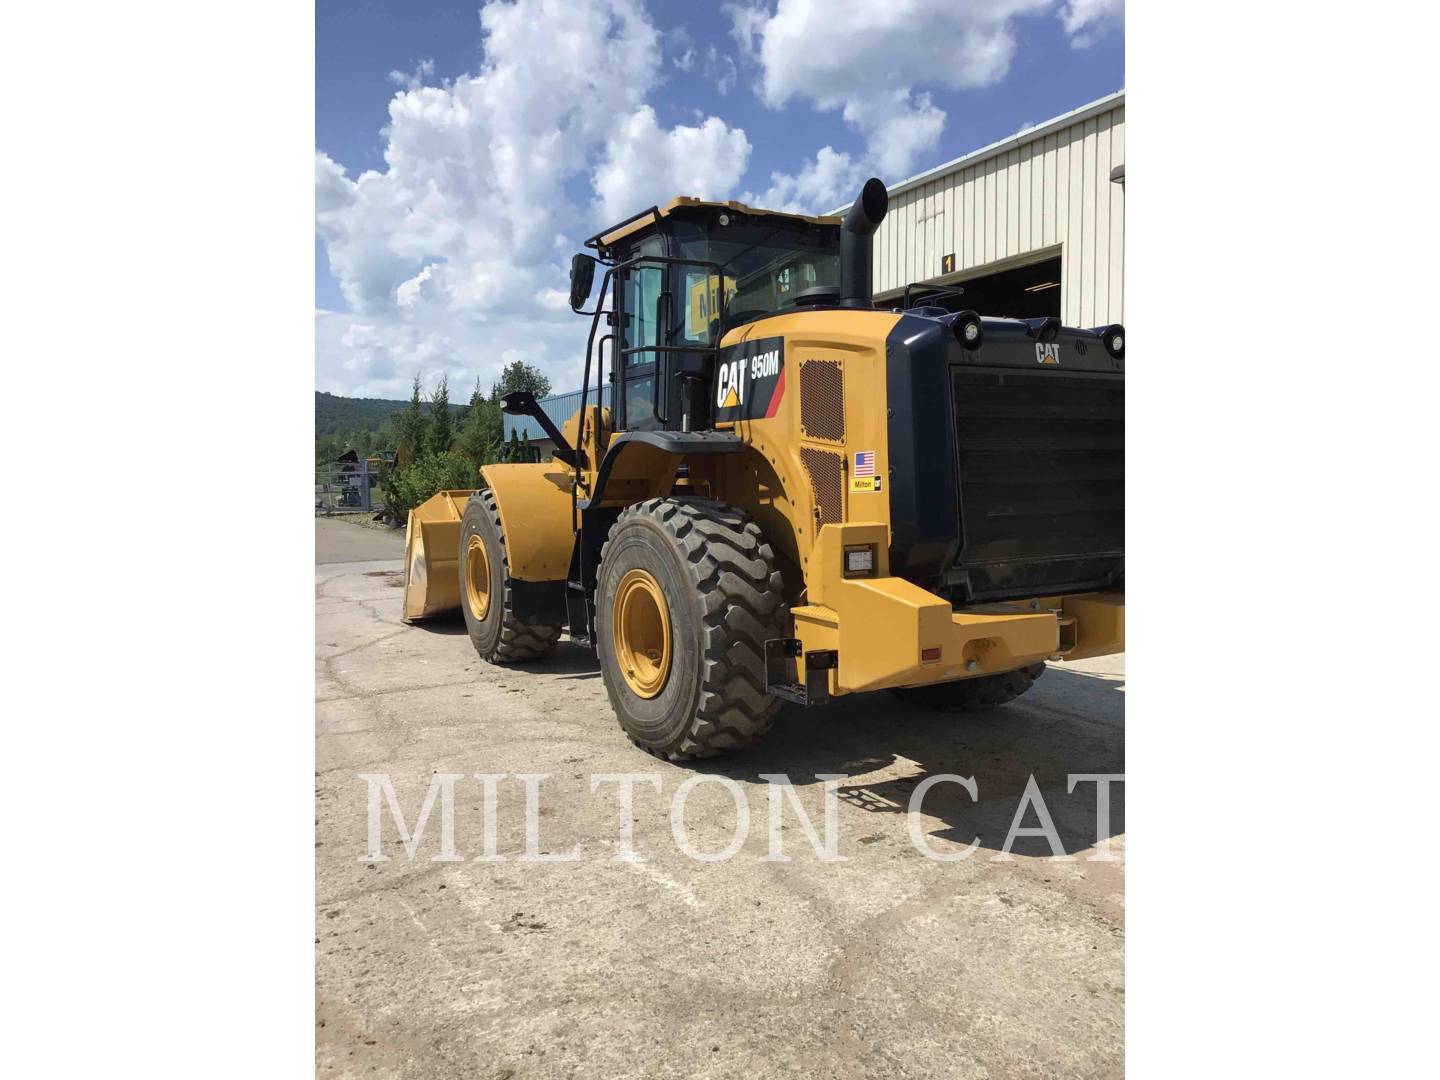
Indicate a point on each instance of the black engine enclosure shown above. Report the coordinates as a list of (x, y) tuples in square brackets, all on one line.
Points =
[(1007, 461)]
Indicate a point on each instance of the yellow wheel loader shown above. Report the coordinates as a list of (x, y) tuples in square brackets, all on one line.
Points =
[(795, 495)]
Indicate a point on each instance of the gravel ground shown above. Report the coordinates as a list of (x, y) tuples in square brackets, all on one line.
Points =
[(365, 520)]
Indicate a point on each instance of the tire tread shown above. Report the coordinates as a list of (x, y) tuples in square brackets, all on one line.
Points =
[(518, 641), (732, 570)]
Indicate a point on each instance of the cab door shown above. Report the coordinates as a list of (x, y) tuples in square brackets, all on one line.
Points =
[(636, 372)]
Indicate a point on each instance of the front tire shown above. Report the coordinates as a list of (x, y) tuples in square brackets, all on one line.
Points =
[(498, 636), (686, 595), (973, 695)]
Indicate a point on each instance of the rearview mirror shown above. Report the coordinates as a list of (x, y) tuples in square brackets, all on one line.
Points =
[(582, 278)]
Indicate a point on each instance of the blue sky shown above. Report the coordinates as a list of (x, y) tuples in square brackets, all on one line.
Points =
[(513, 138)]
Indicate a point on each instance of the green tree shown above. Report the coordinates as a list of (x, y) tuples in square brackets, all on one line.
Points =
[(410, 485), (518, 375), (481, 428), (388, 437), (327, 449), (517, 447), (411, 428), (442, 433)]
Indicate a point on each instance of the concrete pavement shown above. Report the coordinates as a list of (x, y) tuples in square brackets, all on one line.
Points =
[(887, 964), (341, 541)]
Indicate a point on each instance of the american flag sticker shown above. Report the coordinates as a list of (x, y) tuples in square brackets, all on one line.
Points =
[(864, 463)]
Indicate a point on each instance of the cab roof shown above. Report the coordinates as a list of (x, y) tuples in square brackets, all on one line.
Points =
[(646, 218)]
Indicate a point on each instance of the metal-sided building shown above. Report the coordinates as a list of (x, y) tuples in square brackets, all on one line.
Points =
[(560, 408), (1030, 225)]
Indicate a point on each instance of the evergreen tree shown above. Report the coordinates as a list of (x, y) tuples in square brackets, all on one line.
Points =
[(442, 434), (411, 443), (517, 448), (481, 429)]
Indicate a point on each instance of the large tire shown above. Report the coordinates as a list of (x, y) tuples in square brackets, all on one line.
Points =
[(498, 636), (974, 695), (722, 596)]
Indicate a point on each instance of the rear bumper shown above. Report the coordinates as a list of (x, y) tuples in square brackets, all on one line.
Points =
[(888, 632)]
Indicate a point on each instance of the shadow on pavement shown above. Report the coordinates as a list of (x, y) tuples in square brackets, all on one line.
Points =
[(569, 661), (1071, 722), (448, 624)]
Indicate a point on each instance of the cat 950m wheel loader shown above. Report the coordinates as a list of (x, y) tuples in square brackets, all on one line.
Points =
[(794, 495)]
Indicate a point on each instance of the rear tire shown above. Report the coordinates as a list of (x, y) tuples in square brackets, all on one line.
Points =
[(722, 597), (498, 636), (973, 695)]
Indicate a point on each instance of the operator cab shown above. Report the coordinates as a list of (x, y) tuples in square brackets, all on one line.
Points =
[(683, 276)]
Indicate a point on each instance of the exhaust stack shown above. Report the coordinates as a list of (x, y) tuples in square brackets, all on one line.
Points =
[(857, 245)]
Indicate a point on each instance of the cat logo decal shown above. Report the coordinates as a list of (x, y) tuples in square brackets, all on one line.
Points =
[(750, 380)]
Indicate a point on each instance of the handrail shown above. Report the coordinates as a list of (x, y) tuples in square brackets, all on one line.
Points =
[(612, 280)]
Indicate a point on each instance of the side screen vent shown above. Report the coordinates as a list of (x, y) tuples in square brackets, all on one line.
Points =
[(822, 400), (826, 475)]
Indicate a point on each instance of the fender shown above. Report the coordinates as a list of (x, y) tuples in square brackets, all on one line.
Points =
[(650, 444), (535, 515)]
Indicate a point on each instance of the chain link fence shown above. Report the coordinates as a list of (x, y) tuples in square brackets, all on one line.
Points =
[(348, 487)]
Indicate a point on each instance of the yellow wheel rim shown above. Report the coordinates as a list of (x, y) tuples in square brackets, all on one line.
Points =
[(642, 633), (477, 576)]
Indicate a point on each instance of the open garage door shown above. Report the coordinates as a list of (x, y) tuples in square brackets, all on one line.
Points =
[(1020, 293)]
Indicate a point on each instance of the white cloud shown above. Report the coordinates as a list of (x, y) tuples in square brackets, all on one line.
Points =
[(408, 293), (415, 79), (716, 67), (873, 61), (452, 257), (828, 180), (899, 127), (747, 22), (645, 165), (1087, 21), (721, 69)]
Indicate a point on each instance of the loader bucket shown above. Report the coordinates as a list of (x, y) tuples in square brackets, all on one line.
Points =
[(432, 555)]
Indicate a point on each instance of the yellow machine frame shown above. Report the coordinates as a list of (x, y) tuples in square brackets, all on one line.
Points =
[(884, 630), (887, 631)]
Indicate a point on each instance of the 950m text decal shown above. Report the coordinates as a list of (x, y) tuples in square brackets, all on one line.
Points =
[(750, 380)]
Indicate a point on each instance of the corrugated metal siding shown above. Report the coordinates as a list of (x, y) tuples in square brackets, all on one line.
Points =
[(1016, 204), (559, 407)]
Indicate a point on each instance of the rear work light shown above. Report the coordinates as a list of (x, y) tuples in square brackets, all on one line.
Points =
[(968, 330), (1114, 339)]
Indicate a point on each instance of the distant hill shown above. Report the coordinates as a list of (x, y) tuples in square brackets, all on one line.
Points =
[(335, 414)]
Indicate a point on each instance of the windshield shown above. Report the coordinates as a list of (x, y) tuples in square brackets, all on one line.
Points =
[(766, 266)]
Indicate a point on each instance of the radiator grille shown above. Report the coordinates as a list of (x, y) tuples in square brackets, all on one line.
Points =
[(825, 470), (1042, 479), (822, 400)]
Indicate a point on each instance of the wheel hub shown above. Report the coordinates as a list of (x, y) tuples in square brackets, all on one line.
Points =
[(477, 576), (642, 633)]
